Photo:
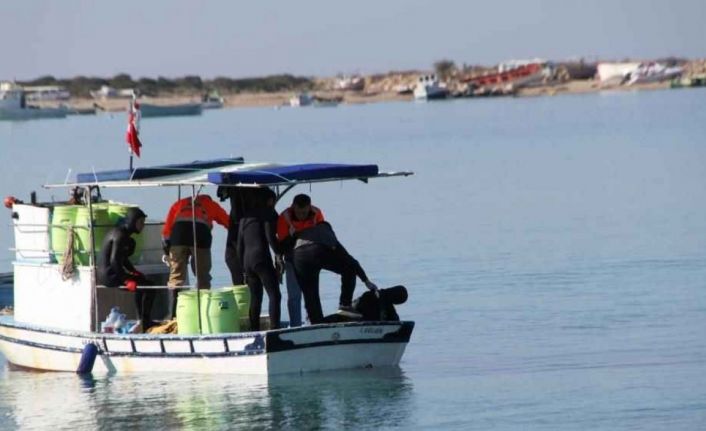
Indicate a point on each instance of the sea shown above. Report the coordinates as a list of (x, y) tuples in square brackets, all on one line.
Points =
[(554, 250)]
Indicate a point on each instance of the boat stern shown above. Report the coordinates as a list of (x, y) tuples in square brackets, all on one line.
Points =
[(336, 346)]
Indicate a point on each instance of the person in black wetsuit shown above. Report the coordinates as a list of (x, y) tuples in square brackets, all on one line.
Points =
[(115, 268), (375, 306), (257, 234), (240, 199), (317, 248)]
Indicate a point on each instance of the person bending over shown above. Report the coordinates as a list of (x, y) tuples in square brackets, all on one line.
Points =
[(299, 216), (318, 248)]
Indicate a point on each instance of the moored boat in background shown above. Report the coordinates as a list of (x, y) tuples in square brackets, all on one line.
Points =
[(212, 100), (13, 105), (151, 110), (429, 88)]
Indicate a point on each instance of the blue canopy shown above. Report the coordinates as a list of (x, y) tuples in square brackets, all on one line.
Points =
[(284, 174), (156, 171)]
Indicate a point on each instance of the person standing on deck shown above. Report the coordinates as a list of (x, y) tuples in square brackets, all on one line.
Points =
[(186, 216), (240, 200), (256, 236), (115, 268), (317, 248), (299, 216)]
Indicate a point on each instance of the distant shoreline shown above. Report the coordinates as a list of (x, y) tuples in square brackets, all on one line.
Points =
[(278, 99)]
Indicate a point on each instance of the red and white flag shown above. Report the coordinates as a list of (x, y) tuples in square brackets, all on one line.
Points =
[(133, 128)]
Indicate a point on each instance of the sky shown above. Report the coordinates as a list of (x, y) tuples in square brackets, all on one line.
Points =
[(324, 38)]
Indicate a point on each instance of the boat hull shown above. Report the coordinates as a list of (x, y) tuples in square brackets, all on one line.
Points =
[(148, 110), (430, 93), (32, 113), (295, 350)]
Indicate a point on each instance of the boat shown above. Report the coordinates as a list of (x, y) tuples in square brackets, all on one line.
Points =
[(212, 101), (429, 88), (510, 76), (689, 81), (56, 321), (615, 73), (42, 93), (653, 72), (301, 99), (350, 83), (107, 92), (13, 105), (151, 110)]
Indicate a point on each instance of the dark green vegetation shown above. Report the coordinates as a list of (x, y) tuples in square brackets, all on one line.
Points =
[(80, 86)]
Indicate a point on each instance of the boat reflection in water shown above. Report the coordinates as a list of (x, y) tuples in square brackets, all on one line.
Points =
[(326, 400)]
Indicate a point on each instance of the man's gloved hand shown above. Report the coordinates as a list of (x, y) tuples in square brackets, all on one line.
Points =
[(131, 285), (370, 285), (166, 245)]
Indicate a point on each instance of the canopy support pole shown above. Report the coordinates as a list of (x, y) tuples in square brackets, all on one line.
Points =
[(194, 255), (92, 259)]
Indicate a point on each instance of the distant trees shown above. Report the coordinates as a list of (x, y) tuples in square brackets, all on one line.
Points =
[(81, 86), (121, 80), (444, 68)]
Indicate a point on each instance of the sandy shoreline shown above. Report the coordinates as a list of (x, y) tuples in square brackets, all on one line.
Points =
[(350, 97)]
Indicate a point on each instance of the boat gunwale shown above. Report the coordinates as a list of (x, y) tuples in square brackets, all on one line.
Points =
[(8, 321)]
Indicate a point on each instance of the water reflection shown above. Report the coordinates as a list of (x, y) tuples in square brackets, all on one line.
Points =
[(374, 398)]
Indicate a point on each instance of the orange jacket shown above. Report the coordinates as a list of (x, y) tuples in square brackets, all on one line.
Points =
[(206, 211), (288, 225)]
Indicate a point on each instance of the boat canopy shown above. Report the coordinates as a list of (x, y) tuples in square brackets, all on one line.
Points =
[(229, 172)]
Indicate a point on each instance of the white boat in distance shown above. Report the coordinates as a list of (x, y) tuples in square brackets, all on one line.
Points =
[(301, 99), (13, 105), (107, 92), (212, 101), (429, 88), (653, 72), (55, 325)]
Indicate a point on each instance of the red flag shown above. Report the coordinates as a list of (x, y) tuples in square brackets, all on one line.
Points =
[(132, 135)]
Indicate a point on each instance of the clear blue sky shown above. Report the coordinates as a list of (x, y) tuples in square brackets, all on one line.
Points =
[(254, 38)]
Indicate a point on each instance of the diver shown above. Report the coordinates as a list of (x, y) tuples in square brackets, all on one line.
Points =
[(257, 234), (115, 268)]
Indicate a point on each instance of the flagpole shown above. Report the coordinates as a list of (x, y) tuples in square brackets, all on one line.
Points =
[(131, 110), (132, 134)]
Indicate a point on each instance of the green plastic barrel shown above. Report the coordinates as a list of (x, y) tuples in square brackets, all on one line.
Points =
[(101, 225), (187, 313), (63, 218), (242, 298), (219, 313), (117, 212)]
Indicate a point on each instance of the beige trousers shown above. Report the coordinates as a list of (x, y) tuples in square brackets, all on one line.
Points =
[(200, 265)]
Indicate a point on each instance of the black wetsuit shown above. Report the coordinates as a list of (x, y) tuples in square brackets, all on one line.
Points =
[(240, 199), (115, 268), (375, 307), (257, 233), (317, 248)]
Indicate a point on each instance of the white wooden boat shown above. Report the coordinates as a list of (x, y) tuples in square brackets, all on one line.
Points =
[(56, 322)]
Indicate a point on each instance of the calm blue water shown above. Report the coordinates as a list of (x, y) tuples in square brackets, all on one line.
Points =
[(554, 249)]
